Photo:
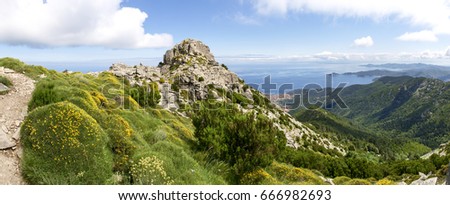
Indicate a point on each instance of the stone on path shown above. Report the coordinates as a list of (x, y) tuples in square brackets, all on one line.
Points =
[(5, 142)]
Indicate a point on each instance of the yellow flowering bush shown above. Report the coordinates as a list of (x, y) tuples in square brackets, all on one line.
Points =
[(150, 171), (121, 135), (385, 182), (63, 141), (258, 177), (293, 175)]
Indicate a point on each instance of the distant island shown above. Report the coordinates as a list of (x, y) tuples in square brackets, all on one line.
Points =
[(413, 70)]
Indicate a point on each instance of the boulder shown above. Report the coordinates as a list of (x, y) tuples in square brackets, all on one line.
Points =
[(3, 88), (421, 181), (5, 142)]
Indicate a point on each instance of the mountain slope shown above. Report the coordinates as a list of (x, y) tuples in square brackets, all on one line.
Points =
[(190, 74), (414, 108)]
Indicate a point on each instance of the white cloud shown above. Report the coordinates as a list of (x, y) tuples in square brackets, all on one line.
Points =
[(363, 42), (246, 20), (76, 23), (433, 16), (442, 55), (424, 36)]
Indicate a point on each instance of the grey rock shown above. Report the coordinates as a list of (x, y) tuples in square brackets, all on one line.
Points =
[(4, 129), (185, 51), (17, 123), (431, 181), (3, 88), (5, 142), (16, 135), (402, 183)]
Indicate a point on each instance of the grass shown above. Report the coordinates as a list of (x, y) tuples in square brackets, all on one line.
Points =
[(131, 138), (5, 81)]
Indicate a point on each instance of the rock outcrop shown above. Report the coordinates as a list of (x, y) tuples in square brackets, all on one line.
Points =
[(190, 73), (425, 179)]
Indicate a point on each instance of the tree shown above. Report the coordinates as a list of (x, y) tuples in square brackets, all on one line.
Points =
[(245, 141)]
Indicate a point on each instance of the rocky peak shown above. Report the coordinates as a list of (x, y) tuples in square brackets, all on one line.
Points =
[(188, 51)]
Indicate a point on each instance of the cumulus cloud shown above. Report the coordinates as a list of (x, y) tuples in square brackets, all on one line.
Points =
[(434, 15), (424, 36), (53, 23), (363, 42)]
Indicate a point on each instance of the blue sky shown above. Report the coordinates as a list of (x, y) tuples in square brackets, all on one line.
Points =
[(106, 31)]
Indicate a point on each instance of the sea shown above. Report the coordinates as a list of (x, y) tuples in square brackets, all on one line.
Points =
[(296, 75)]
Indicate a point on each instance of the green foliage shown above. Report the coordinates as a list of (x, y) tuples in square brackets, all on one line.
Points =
[(401, 107), (63, 141), (342, 180), (147, 95), (224, 66), (238, 98), (358, 182), (5, 81), (245, 141), (201, 79), (293, 175), (29, 70), (47, 92), (258, 177), (121, 135), (179, 165)]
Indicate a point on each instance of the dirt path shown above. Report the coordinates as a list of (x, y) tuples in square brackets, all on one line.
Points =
[(13, 109)]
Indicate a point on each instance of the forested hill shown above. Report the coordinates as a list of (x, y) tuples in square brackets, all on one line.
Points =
[(414, 108)]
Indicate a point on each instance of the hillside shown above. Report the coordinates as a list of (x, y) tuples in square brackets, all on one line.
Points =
[(404, 106)]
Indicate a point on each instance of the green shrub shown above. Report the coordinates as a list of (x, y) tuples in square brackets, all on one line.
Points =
[(224, 66), (121, 136), (62, 141), (147, 95), (178, 165), (258, 177), (341, 180), (47, 92), (19, 66), (245, 141), (357, 182), (293, 175), (155, 136), (5, 81), (201, 79)]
